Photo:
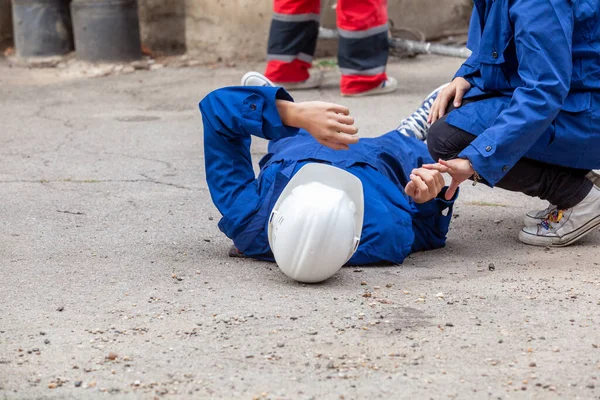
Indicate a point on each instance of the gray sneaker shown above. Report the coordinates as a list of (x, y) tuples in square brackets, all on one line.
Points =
[(564, 227), (534, 217)]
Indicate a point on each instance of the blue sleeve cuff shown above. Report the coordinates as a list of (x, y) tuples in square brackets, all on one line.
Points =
[(468, 70), (435, 206), (261, 116), (479, 153)]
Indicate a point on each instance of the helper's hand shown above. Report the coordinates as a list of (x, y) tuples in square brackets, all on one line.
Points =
[(455, 90), (459, 169), (425, 184), (330, 124)]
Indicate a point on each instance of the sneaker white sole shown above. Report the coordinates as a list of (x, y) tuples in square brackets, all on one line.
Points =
[(256, 76), (315, 81), (298, 86), (566, 240), (594, 176), (372, 92)]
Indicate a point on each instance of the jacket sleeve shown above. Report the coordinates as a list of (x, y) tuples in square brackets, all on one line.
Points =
[(543, 41), (230, 117), (470, 68), (431, 222)]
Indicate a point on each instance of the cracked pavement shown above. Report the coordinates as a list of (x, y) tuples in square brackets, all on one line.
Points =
[(116, 281)]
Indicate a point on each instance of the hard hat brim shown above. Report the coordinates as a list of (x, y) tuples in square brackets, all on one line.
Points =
[(330, 176)]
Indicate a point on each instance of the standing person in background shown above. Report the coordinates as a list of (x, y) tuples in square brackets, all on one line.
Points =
[(362, 53)]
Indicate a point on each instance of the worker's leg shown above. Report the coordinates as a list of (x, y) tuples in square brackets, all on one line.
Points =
[(562, 186), (363, 45), (292, 40), (417, 125), (230, 117)]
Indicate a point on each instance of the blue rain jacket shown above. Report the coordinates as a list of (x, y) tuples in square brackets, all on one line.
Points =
[(540, 62), (394, 225)]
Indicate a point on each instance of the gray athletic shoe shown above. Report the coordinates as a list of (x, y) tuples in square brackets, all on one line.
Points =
[(564, 227), (534, 217)]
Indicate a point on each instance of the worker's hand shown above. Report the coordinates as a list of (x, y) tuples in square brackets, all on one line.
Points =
[(425, 184), (459, 169), (330, 124), (454, 91)]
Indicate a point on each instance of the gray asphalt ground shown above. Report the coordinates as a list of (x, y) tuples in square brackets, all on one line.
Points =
[(115, 280)]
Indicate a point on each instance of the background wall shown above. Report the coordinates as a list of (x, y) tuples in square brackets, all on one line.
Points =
[(238, 29), (233, 30)]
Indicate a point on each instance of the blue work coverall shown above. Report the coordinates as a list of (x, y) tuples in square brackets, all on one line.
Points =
[(394, 225), (540, 61)]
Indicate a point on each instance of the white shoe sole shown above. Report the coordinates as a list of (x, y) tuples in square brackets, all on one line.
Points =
[(315, 81), (256, 75), (594, 176), (372, 92), (566, 240), (299, 85)]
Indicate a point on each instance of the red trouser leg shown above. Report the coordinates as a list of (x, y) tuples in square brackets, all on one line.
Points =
[(292, 39), (363, 48)]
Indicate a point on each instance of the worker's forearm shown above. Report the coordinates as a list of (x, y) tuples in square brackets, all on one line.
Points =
[(289, 113)]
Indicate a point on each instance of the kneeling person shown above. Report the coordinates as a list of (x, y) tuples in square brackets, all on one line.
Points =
[(314, 208)]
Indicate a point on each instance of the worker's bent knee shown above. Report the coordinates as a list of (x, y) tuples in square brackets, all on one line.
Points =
[(446, 141), (437, 138)]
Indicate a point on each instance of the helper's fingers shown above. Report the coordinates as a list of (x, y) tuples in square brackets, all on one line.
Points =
[(339, 109), (440, 182), (443, 100), (442, 109), (460, 92), (448, 164), (433, 113), (452, 189), (436, 167)]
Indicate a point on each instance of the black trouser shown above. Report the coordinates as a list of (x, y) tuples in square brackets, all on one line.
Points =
[(562, 186)]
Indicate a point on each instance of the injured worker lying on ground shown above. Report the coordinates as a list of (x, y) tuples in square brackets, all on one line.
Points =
[(314, 207)]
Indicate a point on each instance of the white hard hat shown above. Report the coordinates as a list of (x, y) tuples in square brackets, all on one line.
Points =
[(316, 224)]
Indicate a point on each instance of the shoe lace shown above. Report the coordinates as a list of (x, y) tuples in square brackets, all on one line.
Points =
[(544, 213), (553, 217), (417, 122)]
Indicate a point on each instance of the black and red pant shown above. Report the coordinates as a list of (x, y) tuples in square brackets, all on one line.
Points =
[(363, 44)]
